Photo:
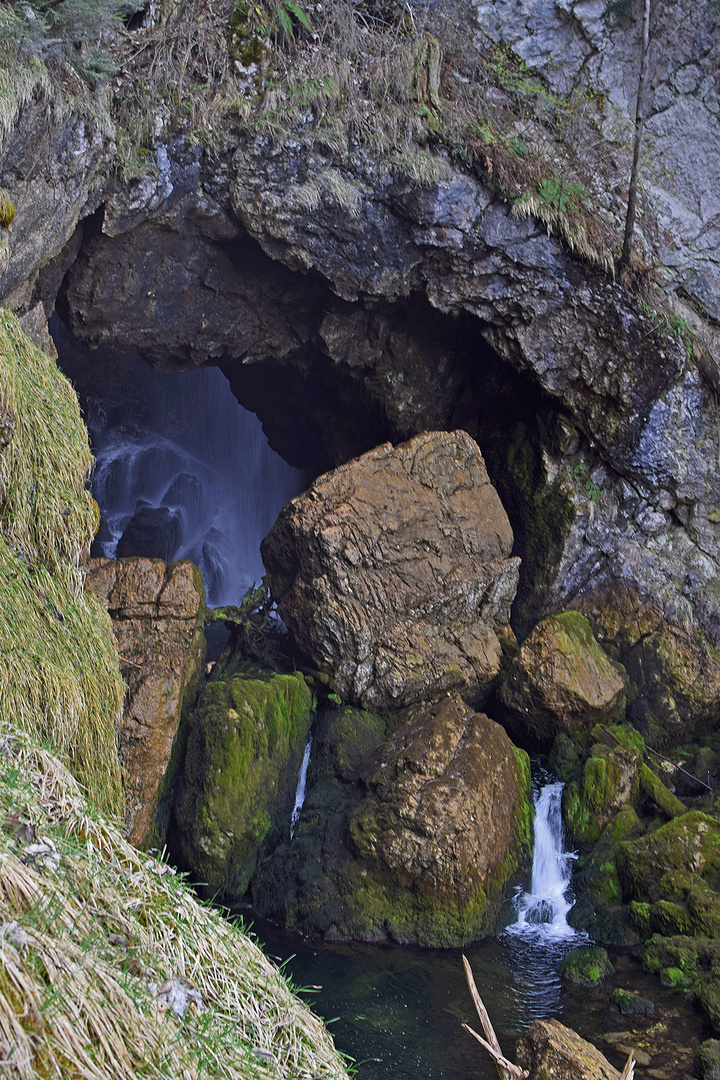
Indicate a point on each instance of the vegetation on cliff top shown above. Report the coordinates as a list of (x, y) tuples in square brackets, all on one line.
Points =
[(109, 966), (59, 674)]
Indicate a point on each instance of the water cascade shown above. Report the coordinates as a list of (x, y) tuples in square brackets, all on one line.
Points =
[(183, 471), (300, 793), (540, 936), (543, 911)]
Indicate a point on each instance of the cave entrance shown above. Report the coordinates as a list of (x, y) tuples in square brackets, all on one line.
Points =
[(182, 469)]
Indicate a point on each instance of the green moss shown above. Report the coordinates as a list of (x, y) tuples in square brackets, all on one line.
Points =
[(7, 209), (586, 966), (664, 864), (246, 739), (59, 673), (655, 792)]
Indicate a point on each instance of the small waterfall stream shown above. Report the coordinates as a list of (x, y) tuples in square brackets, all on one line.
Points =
[(300, 793), (543, 911)]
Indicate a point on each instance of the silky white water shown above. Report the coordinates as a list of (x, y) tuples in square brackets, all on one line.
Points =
[(300, 793), (543, 910), (179, 448)]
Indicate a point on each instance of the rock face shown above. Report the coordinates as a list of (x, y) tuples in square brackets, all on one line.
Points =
[(393, 573), (562, 681), (157, 611), (549, 1049), (245, 741), (413, 837)]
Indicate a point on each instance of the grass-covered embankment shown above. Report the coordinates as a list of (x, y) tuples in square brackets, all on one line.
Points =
[(109, 966), (59, 674)]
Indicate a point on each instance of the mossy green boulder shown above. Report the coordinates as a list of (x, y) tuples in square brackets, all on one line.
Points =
[(586, 966), (665, 864), (245, 741), (609, 780), (561, 681), (411, 833)]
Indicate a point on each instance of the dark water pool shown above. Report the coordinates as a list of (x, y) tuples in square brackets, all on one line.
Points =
[(399, 1011)]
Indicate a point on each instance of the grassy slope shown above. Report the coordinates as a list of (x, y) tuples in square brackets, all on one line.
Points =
[(97, 940), (100, 946), (59, 675)]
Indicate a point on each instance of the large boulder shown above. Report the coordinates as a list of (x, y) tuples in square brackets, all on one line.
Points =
[(549, 1049), (561, 681), (393, 573), (414, 837), (157, 611), (234, 797)]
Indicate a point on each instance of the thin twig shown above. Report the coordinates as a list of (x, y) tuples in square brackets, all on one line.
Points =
[(628, 1072), (504, 1067)]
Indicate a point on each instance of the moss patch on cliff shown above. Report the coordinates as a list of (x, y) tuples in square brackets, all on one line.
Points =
[(59, 674), (247, 736), (110, 967)]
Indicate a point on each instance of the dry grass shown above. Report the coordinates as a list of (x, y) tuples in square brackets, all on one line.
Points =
[(418, 90), (59, 673), (102, 948)]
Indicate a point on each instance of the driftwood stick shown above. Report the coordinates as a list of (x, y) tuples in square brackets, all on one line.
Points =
[(492, 1045), (628, 1072), (504, 1067), (132, 663)]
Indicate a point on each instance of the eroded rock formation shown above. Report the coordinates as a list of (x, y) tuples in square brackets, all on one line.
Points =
[(157, 611), (393, 573)]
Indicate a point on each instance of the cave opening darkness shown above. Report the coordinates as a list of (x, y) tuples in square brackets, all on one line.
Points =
[(328, 378)]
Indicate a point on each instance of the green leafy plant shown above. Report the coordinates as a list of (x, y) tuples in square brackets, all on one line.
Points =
[(288, 15)]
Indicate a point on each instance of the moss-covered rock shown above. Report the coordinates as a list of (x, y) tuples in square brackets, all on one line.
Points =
[(653, 789), (709, 1059), (413, 837), (664, 865), (561, 680), (246, 738), (586, 966), (631, 1004), (609, 781)]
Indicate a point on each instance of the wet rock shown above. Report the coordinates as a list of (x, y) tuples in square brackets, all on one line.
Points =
[(234, 795), (674, 676), (586, 966), (631, 1004), (609, 781), (157, 613), (152, 532), (445, 826), (393, 573), (549, 1049), (561, 681), (412, 837)]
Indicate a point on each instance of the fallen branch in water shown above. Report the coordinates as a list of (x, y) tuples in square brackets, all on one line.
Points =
[(506, 1069)]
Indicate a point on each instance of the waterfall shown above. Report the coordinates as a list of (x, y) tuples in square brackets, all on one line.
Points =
[(182, 470), (543, 910), (300, 793)]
